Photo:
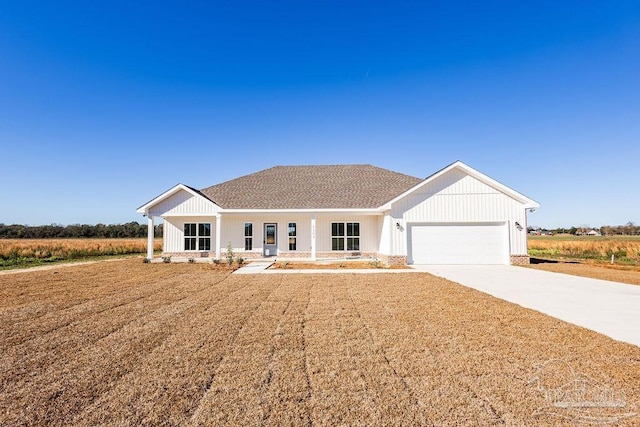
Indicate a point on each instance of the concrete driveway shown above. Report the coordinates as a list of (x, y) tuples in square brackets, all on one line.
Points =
[(610, 308)]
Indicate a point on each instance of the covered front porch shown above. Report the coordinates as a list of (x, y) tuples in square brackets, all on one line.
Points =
[(285, 236)]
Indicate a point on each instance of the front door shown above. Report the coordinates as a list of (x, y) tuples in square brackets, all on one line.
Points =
[(270, 239)]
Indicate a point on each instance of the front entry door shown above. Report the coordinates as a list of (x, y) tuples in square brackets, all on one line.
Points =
[(270, 239)]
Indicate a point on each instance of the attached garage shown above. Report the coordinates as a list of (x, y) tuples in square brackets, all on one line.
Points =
[(458, 243)]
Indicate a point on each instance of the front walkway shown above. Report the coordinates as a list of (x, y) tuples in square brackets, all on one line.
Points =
[(609, 308)]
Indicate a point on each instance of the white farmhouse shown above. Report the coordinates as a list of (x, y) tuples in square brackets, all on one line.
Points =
[(455, 216)]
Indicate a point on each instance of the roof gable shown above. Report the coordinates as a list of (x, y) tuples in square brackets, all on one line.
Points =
[(458, 166), (312, 187), (175, 196)]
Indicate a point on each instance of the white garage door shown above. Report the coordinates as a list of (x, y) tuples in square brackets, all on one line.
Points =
[(468, 243)]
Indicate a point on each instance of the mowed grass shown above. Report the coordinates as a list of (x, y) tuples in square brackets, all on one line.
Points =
[(126, 343)]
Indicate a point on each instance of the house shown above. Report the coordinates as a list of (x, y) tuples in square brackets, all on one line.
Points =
[(455, 216)]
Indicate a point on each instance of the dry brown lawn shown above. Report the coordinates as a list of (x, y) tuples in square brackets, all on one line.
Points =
[(616, 273), (127, 343)]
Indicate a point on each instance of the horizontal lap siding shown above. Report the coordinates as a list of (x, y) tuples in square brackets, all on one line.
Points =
[(233, 231), (174, 232), (457, 197), (370, 226)]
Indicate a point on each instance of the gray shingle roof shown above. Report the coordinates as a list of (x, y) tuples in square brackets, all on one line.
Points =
[(312, 187)]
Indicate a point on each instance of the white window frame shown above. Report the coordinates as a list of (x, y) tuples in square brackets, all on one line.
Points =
[(345, 237), (199, 237), (248, 236), (293, 236)]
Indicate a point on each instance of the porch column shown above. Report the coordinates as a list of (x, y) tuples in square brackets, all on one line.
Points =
[(150, 236), (313, 237), (218, 228)]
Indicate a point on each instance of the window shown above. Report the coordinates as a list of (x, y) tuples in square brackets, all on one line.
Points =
[(197, 237), (353, 236), (292, 236), (338, 236), (248, 236)]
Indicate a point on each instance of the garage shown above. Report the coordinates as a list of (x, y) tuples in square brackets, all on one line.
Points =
[(458, 243)]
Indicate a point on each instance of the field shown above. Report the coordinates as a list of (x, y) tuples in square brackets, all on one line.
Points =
[(127, 343), (25, 252), (625, 249)]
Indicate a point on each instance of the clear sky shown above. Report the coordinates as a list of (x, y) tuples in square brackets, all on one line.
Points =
[(105, 105)]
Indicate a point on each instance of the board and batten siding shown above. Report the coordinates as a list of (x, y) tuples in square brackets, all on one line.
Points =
[(457, 198), (184, 203)]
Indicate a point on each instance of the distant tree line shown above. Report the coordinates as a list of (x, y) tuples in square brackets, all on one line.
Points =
[(57, 231), (629, 229)]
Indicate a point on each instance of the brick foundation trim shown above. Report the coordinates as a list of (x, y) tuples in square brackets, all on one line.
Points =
[(393, 260), (520, 259), (195, 254)]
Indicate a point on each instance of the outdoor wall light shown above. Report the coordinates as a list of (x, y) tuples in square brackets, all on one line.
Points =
[(518, 226), (398, 225)]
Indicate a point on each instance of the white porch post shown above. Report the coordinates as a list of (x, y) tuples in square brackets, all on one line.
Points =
[(150, 236), (313, 237), (218, 228)]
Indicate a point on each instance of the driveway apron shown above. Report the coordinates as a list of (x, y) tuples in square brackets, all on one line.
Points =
[(610, 308)]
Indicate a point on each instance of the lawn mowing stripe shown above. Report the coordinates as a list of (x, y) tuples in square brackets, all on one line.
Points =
[(185, 361), (90, 359), (143, 289), (83, 325)]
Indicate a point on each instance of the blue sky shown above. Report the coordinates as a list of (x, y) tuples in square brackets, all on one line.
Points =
[(103, 106)]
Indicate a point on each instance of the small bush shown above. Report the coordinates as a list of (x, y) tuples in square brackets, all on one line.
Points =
[(166, 259), (375, 263), (146, 260), (230, 254), (216, 261), (191, 260), (240, 260)]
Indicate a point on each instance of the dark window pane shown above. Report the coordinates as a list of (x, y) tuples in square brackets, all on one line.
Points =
[(337, 244), (189, 229), (292, 229), (204, 244), (353, 244), (190, 244), (204, 229), (337, 229), (353, 229), (248, 229), (292, 243), (248, 244)]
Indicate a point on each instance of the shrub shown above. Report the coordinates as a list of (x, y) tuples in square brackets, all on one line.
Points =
[(230, 254), (240, 260), (166, 259), (215, 261), (146, 260), (191, 260)]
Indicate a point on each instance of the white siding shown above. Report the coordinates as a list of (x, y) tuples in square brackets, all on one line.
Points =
[(174, 232), (233, 231), (457, 197), (185, 204), (370, 226)]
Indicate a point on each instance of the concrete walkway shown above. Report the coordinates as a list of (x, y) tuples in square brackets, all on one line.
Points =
[(610, 308), (253, 268)]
